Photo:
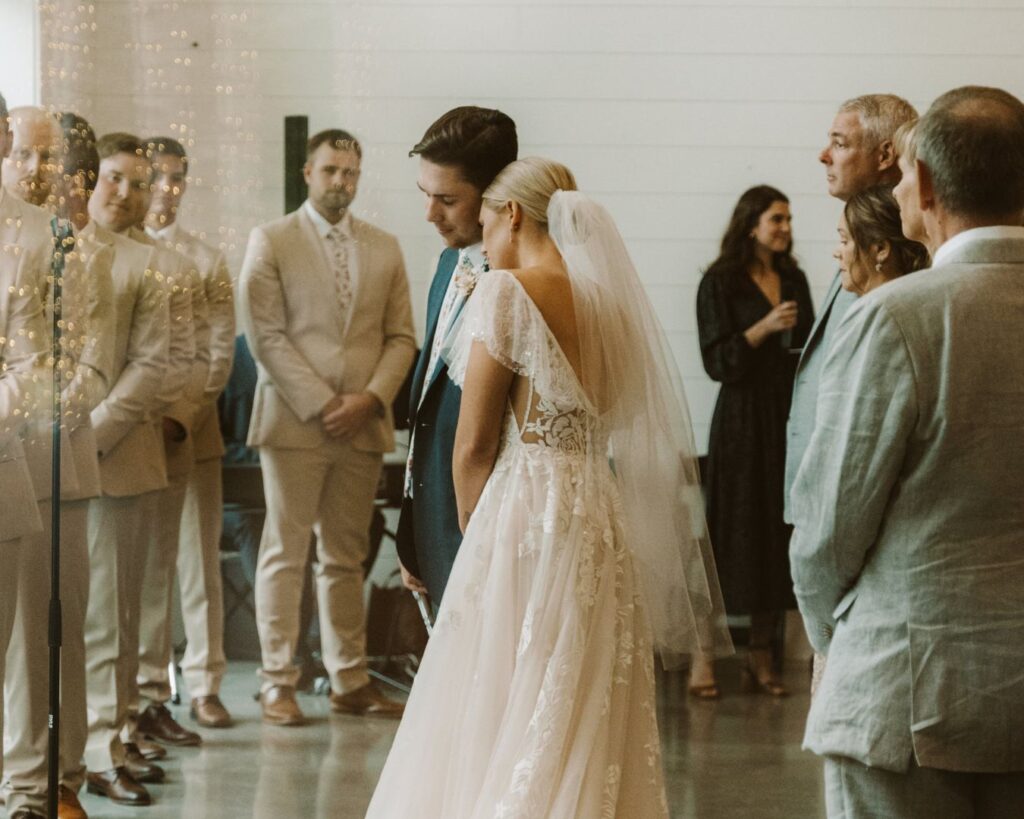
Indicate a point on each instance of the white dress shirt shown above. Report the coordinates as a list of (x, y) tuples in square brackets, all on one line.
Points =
[(962, 238)]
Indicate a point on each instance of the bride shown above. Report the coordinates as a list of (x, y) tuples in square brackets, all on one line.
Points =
[(585, 545)]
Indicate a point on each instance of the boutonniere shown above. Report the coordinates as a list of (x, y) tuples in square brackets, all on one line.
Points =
[(467, 275)]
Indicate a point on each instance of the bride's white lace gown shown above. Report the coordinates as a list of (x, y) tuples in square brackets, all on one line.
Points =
[(536, 695)]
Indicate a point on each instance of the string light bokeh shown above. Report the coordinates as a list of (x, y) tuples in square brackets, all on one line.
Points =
[(178, 68)]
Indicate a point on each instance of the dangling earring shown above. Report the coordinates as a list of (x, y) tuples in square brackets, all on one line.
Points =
[(878, 267)]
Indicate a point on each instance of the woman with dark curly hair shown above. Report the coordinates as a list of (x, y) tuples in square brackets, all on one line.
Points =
[(754, 311)]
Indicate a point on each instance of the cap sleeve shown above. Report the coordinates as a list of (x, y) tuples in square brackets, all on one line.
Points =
[(500, 315)]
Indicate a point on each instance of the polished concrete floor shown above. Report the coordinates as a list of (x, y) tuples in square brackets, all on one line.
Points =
[(737, 758)]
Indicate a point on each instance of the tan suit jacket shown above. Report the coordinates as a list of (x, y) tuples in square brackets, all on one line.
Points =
[(87, 352), (908, 553), (37, 431), (306, 351), (131, 453), (219, 293), (25, 252), (188, 349), (89, 334)]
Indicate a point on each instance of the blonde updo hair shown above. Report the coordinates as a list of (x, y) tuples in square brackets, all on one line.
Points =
[(904, 141), (530, 182)]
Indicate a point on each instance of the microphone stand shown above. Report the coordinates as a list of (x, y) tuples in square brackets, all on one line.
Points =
[(55, 615)]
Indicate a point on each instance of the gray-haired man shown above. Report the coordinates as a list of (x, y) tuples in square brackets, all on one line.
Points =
[(909, 504), (859, 155)]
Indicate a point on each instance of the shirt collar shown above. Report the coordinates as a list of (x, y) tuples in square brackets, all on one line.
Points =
[(323, 227), (475, 254), (950, 246), (165, 233)]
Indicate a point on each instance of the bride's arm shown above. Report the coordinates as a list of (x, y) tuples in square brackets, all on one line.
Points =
[(484, 398)]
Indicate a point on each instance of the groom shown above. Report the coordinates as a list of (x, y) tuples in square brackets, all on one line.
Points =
[(460, 155)]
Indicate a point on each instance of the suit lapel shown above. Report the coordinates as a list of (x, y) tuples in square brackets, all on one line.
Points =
[(442, 276), (821, 320), (440, 364)]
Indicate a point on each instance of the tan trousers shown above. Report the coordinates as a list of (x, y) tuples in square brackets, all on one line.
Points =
[(152, 685), (10, 558), (118, 529), (329, 490), (202, 595), (26, 688)]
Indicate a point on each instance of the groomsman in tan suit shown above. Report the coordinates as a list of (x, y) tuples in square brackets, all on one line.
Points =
[(57, 169), (325, 307), (198, 562), (182, 399), (25, 253), (132, 471)]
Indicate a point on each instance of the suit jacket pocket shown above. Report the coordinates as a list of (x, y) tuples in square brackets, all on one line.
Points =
[(275, 424)]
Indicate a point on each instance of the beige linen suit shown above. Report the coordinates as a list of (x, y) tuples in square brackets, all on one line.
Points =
[(132, 471), (908, 554), (199, 580), (25, 252), (307, 352), (87, 350)]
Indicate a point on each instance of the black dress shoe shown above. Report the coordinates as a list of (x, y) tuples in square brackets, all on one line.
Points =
[(157, 723), (141, 769), (118, 786)]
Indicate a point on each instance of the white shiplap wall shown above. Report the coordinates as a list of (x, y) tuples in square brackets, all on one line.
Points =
[(19, 58), (666, 111)]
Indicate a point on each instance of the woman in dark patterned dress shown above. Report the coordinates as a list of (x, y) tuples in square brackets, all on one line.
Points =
[(754, 312)]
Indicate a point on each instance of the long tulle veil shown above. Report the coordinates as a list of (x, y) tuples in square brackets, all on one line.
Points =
[(630, 375)]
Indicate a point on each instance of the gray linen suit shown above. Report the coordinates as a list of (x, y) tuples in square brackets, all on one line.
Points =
[(908, 554), (805, 387)]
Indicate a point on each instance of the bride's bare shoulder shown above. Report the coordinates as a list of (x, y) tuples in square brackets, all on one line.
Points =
[(547, 286)]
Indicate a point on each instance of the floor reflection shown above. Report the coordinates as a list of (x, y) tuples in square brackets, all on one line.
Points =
[(737, 758)]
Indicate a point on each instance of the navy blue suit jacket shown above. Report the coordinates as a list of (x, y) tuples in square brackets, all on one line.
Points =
[(428, 529)]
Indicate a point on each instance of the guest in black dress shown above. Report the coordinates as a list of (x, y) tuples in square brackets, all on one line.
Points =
[(754, 312)]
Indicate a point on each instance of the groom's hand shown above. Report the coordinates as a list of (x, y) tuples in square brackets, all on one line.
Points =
[(410, 581)]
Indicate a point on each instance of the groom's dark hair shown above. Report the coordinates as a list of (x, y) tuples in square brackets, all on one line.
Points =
[(479, 141)]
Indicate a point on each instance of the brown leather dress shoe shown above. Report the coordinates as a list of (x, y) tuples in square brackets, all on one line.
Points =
[(210, 712), (157, 723), (139, 767), (118, 786), (68, 806), (153, 751), (280, 707), (366, 700)]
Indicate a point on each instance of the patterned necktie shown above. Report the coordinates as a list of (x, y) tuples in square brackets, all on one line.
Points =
[(337, 244)]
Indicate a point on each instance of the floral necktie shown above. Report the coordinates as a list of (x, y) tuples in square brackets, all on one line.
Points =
[(337, 244)]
